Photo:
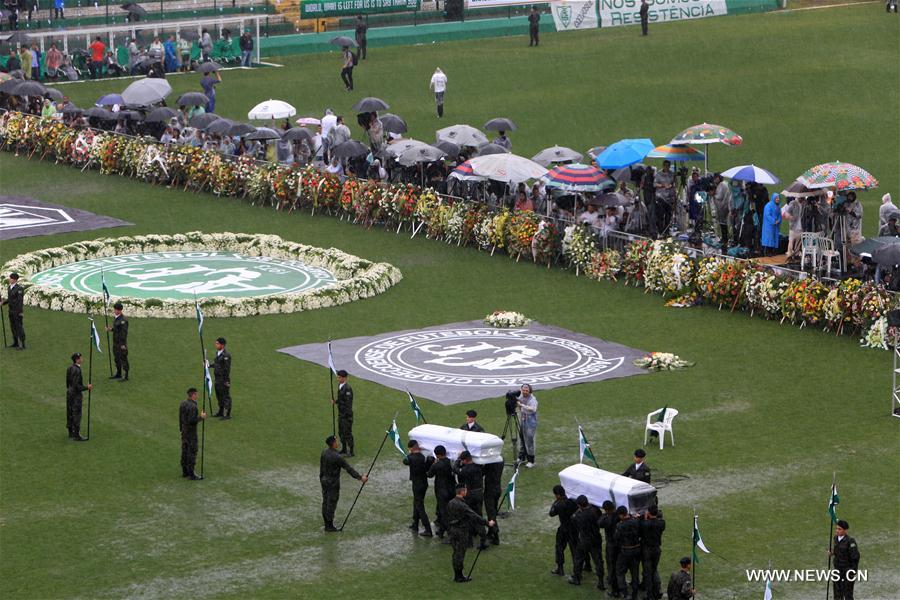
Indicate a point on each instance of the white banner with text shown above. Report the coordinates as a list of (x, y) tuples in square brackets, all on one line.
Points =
[(614, 13), (575, 14)]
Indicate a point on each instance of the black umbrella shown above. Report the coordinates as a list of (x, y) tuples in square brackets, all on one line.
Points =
[(351, 149), (420, 154), (9, 86), (30, 88), (53, 94), (18, 74), (162, 114), (241, 129), (218, 126), (18, 37), (888, 255), (264, 133), (491, 149), (128, 115), (370, 105), (71, 109), (343, 41), (611, 199), (297, 134), (201, 121), (500, 124), (192, 99), (392, 123), (134, 9), (100, 113), (449, 148), (208, 67)]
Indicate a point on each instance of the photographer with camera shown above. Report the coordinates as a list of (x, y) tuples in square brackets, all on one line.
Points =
[(664, 183), (527, 408), (792, 213)]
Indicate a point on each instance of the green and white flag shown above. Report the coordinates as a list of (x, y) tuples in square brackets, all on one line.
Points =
[(199, 317), (584, 448), (415, 408), (511, 490), (95, 335), (768, 594), (698, 541), (833, 501), (394, 434)]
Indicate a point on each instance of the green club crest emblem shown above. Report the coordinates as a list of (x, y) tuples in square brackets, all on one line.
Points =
[(565, 15)]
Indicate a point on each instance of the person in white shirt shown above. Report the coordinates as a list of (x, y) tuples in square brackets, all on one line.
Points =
[(591, 216), (887, 207), (438, 85), (328, 122), (335, 168), (339, 134)]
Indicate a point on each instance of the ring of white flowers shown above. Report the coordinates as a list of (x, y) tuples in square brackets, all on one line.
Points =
[(357, 278)]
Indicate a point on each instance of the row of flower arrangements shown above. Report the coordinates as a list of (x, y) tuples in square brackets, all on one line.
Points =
[(662, 267)]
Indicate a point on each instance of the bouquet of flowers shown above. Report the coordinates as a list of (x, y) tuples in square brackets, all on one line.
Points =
[(499, 233), (181, 158), (132, 153), (662, 361), (579, 246), (152, 164), (426, 205), (259, 188), (48, 133), (879, 335), (634, 262), (454, 227), (840, 303), (472, 218), (284, 186), (686, 300), (763, 292), (874, 302), (110, 151), (329, 191), (721, 281), (398, 203), (605, 264), (545, 243), (80, 150), (668, 271), (522, 227), (483, 231), (804, 300), (201, 171), (366, 202), (242, 170), (506, 319)]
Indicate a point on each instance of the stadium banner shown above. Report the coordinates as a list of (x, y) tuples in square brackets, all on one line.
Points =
[(313, 9), (614, 13), (575, 14), (487, 3)]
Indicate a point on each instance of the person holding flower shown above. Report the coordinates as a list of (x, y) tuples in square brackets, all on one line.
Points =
[(771, 225)]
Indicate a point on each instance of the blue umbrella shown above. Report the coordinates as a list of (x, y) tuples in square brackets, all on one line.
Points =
[(750, 173), (110, 99), (624, 153)]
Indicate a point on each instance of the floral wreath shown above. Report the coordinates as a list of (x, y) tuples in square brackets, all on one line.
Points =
[(357, 278)]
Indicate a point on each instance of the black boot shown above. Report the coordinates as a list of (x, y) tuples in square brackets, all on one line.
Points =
[(558, 570), (126, 376), (329, 527), (118, 375), (459, 577), (440, 108), (574, 580)]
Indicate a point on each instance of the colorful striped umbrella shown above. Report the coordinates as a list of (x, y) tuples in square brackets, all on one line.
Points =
[(577, 178), (839, 175), (464, 172), (750, 173), (676, 153), (706, 133)]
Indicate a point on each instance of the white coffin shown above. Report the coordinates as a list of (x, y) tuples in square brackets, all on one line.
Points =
[(484, 447), (599, 486)]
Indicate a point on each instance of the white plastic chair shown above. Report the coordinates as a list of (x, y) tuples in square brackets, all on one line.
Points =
[(809, 246), (661, 427), (826, 249)]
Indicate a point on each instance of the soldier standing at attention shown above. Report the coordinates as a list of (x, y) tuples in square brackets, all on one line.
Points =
[(188, 417), (628, 538), (680, 585), (444, 487), (563, 507), (462, 520), (608, 522), (652, 528), (15, 298), (493, 475), (846, 558), (345, 413), (222, 376), (534, 24), (120, 342), (585, 524), (645, 16), (330, 465), (74, 388), (471, 424), (360, 31), (418, 475), (639, 470)]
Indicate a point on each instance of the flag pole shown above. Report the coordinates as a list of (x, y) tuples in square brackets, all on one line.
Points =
[(205, 389), (349, 512), (694, 551), (474, 562), (90, 373), (331, 383), (831, 516), (106, 320)]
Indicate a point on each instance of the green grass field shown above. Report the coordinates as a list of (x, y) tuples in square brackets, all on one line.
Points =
[(767, 414)]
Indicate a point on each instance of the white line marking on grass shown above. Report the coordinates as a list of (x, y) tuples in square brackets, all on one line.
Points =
[(790, 10)]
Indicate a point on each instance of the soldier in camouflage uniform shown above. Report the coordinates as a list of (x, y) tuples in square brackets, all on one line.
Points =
[(15, 298), (120, 342), (680, 585), (74, 388), (188, 417), (462, 520), (330, 465), (345, 413)]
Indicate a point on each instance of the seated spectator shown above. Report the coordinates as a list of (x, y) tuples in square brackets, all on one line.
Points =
[(335, 168), (48, 110), (590, 216), (13, 63), (523, 202), (112, 67)]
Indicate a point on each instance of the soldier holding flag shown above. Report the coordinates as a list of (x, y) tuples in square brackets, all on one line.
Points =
[(188, 417), (74, 389), (462, 519), (330, 464)]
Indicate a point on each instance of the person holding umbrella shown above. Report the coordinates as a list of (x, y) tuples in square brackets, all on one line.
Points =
[(347, 67), (208, 83)]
